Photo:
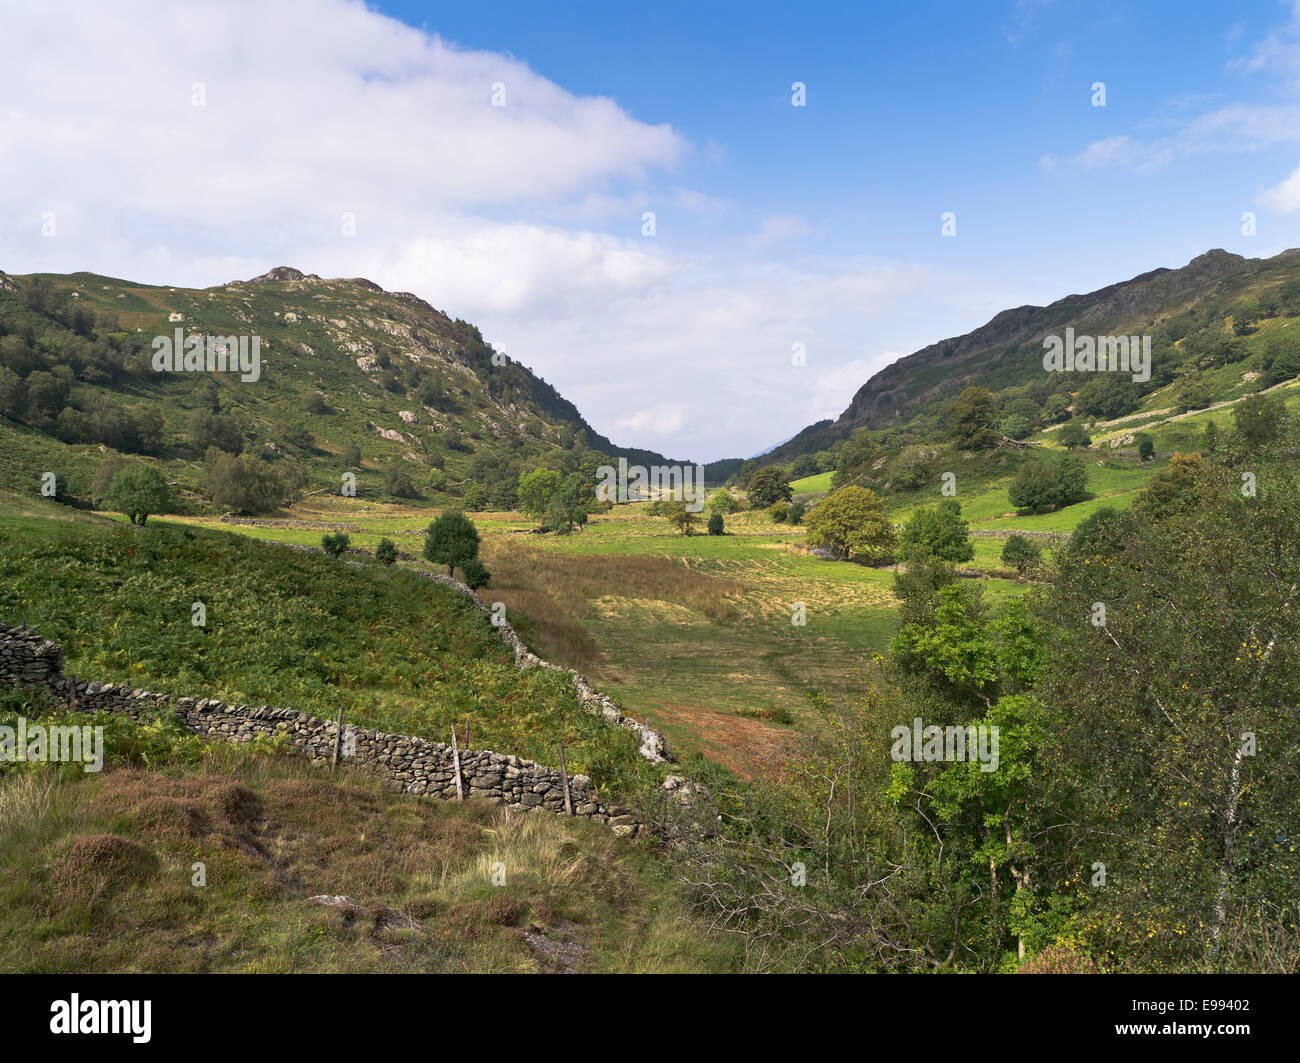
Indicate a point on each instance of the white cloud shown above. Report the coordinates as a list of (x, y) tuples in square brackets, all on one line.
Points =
[(524, 219), (1285, 197)]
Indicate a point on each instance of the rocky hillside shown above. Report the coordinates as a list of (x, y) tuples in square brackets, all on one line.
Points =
[(341, 363), (1006, 353)]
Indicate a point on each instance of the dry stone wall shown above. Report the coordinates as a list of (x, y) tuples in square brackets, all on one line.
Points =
[(405, 763)]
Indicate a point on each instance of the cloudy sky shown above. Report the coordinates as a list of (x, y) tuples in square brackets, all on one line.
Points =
[(500, 160)]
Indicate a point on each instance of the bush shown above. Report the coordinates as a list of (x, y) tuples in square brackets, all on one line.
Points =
[(1022, 554), (476, 574), (397, 482), (243, 484), (386, 552), (936, 531), (1044, 484), (796, 512), (214, 430), (334, 544), (352, 456), (779, 511), (723, 502), (715, 524), (1146, 446)]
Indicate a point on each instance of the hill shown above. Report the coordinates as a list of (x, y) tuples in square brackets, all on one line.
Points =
[(1212, 322), (340, 364)]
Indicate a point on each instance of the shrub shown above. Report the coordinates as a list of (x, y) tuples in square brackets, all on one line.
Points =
[(796, 512), (476, 574), (1074, 435), (936, 531), (1044, 484), (779, 511), (397, 482), (715, 524), (1022, 554), (1146, 446), (386, 552), (334, 544)]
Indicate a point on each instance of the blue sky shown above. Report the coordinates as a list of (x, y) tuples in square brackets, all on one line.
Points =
[(774, 225)]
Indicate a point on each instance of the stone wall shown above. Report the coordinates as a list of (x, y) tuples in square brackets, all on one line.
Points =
[(405, 763)]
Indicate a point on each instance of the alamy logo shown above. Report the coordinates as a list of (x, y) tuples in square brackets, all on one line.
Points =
[(631, 483), (39, 744), (935, 743), (197, 353), (1098, 354), (132, 1017)]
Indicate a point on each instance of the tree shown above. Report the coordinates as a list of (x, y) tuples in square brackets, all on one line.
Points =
[(334, 544), (1260, 419), (536, 489), (716, 526), (13, 394), (451, 540), (768, 486), (215, 430), (678, 515), (243, 484), (386, 552), (1022, 554), (137, 491), (352, 456), (475, 497), (723, 502), (1146, 446), (972, 420), (1043, 484), (1074, 435), (796, 512), (779, 511), (936, 531), (852, 523), (1107, 396), (397, 482)]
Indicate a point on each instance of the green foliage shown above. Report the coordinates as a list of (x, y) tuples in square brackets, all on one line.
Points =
[(779, 512), (1073, 435), (679, 515), (334, 543), (386, 552), (536, 489), (476, 574), (451, 540), (244, 484), (1022, 554), (1260, 420), (972, 420), (796, 511), (851, 523), (398, 483), (1146, 446), (1042, 484), (138, 491), (716, 525), (936, 531), (768, 486)]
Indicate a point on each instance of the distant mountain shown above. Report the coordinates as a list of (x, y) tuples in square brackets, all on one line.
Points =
[(1006, 353)]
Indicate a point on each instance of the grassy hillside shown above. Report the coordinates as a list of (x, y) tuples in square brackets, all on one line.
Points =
[(342, 363), (288, 628), (1221, 327)]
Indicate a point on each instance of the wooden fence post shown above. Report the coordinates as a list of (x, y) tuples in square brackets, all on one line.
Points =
[(455, 760), (338, 739), (564, 776)]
